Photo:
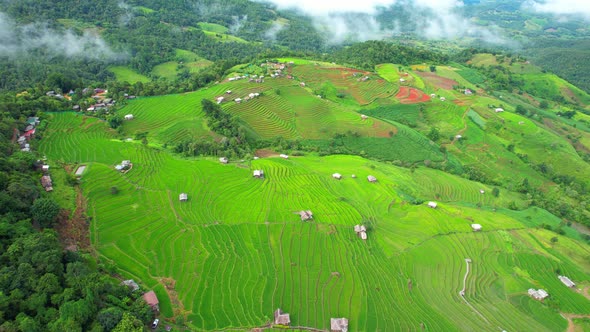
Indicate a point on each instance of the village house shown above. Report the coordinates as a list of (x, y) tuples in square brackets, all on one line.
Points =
[(220, 100), (539, 294), (371, 178), (129, 117), (468, 92), (338, 324), (282, 318), (443, 98), (284, 156), (46, 183), (124, 165), (305, 215), (402, 80), (259, 174), (458, 137), (337, 176), (476, 227), (152, 300), (499, 110), (131, 284), (481, 191), (364, 117), (353, 176), (238, 100), (433, 95), (567, 281), (183, 197), (76, 107), (228, 92), (432, 205), (223, 160), (45, 168), (302, 84)]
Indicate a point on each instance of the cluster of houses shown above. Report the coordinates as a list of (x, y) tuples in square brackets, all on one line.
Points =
[(28, 133), (336, 324), (124, 166), (541, 294), (56, 95), (101, 102), (276, 69)]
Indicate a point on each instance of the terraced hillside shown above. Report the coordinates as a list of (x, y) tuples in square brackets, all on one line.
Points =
[(232, 263), (236, 250)]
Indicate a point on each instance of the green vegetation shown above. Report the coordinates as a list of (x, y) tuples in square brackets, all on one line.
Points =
[(125, 74)]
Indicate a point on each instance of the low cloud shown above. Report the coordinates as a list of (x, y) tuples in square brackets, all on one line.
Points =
[(577, 8), (374, 19), (17, 40)]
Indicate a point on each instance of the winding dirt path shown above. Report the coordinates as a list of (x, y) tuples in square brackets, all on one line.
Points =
[(571, 326), (462, 292)]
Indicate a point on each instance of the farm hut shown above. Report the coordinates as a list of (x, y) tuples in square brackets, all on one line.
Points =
[(567, 281), (476, 227), (353, 176), (458, 136), (364, 117), (131, 284), (302, 84), (433, 95), (432, 205), (305, 215), (223, 160), (45, 168), (152, 300), (76, 107), (238, 100), (129, 117), (220, 100), (337, 176), (539, 294), (363, 235), (360, 228), (183, 197), (284, 156), (282, 318), (468, 92), (338, 324), (228, 92), (126, 163), (443, 98), (371, 178), (481, 191), (258, 173), (402, 80), (498, 110)]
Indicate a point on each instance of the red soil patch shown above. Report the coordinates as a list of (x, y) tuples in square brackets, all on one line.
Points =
[(263, 153), (438, 81), (459, 102), (73, 228), (408, 95)]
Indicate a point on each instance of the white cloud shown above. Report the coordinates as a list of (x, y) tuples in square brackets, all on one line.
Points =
[(436, 19), (16, 40), (579, 8)]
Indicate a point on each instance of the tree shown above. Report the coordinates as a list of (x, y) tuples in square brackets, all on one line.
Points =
[(495, 192), (128, 324), (433, 134), (432, 68), (521, 110), (45, 211), (109, 318), (554, 239), (114, 190)]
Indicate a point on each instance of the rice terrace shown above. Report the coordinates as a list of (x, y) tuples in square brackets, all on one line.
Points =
[(432, 170)]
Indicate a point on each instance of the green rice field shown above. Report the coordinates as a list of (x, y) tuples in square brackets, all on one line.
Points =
[(237, 249), (234, 263)]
